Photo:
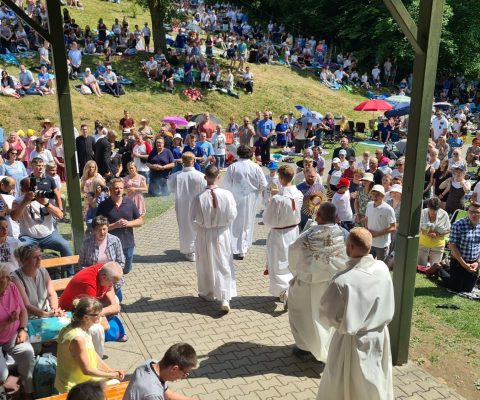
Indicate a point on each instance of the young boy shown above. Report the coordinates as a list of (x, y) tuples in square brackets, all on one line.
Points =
[(273, 184), (341, 200), (282, 216), (51, 169)]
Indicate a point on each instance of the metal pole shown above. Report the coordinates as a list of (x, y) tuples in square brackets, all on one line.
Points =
[(406, 250), (55, 20)]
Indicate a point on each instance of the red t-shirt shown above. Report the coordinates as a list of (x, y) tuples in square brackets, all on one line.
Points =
[(208, 128), (127, 122), (83, 283), (348, 173)]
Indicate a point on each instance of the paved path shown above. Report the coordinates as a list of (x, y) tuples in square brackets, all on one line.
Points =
[(245, 354)]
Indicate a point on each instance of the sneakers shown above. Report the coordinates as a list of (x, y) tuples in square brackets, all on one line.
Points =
[(190, 257), (284, 299), (225, 307)]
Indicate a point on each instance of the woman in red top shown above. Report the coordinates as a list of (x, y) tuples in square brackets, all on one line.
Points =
[(15, 142)]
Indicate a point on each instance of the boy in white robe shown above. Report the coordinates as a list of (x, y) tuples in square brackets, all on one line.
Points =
[(245, 179), (314, 258), (282, 216), (185, 184), (212, 213), (359, 304), (273, 184)]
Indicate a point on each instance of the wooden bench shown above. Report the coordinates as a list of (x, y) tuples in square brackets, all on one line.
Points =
[(59, 284), (112, 392)]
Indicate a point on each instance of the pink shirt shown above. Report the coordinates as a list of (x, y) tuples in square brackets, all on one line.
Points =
[(10, 301)]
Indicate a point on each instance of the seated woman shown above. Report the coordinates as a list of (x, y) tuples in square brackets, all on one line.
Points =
[(100, 247), (434, 226), (13, 334), (34, 284), (8, 245), (90, 84), (7, 86), (76, 357)]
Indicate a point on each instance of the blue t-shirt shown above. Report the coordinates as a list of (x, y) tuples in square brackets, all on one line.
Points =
[(281, 127), (198, 153), (164, 158), (180, 41), (265, 126)]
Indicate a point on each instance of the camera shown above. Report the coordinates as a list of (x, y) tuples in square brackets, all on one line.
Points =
[(48, 194), (104, 189)]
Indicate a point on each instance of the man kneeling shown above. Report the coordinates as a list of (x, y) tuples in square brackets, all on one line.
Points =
[(149, 381)]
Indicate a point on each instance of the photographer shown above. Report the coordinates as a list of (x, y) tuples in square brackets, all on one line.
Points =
[(36, 216)]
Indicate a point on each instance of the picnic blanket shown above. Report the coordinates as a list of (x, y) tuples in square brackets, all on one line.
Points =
[(9, 59), (372, 143), (473, 295)]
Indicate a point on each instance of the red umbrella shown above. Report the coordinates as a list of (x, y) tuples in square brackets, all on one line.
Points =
[(374, 105)]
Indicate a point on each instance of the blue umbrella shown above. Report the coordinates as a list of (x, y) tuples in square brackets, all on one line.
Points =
[(309, 120), (399, 110), (303, 110)]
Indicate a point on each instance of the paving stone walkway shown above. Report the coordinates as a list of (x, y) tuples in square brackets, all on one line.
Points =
[(245, 354)]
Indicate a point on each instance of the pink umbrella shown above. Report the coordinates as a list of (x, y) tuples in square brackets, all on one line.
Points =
[(374, 105), (175, 120)]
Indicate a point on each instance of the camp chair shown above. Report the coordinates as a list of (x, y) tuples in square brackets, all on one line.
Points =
[(457, 215)]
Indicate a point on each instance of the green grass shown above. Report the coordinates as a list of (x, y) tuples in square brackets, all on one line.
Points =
[(428, 293)]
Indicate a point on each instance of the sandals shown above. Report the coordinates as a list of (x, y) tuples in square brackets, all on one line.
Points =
[(123, 339)]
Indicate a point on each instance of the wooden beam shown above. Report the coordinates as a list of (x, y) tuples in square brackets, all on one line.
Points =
[(25, 18), (406, 23)]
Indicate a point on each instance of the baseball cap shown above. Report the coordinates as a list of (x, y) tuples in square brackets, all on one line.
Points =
[(336, 160), (272, 165), (342, 152), (379, 189), (343, 182), (352, 159), (459, 166), (177, 136)]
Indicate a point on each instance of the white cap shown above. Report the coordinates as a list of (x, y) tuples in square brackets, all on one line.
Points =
[(396, 188), (177, 136), (379, 189), (344, 152), (336, 160)]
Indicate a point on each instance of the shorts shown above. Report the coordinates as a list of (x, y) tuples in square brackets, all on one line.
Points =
[(147, 40)]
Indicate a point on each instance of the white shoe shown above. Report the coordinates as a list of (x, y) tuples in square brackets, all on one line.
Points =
[(206, 297), (284, 299), (225, 307), (190, 257)]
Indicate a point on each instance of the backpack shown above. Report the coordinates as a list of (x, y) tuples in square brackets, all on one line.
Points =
[(44, 376)]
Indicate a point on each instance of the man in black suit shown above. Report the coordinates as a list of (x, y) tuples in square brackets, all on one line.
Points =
[(103, 150), (84, 144)]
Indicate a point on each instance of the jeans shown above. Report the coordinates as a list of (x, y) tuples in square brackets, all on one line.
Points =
[(158, 186), (56, 242), (128, 253), (220, 160)]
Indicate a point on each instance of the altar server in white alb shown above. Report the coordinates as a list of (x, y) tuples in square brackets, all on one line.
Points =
[(246, 181), (314, 258), (282, 215), (359, 304), (185, 184), (212, 213)]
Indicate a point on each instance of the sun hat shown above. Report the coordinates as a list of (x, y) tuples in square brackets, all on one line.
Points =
[(367, 176), (177, 136), (379, 189), (396, 188), (272, 165), (343, 182)]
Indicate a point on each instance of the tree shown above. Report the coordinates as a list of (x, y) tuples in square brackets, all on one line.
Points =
[(161, 11)]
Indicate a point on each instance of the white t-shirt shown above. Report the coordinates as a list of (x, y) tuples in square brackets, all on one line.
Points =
[(219, 144), (342, 202), (45, 155), (438, 125), (140, 149), (380, 218), (35, 221), (376, 73)]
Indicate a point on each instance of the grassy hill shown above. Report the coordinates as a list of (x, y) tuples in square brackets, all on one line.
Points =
[(277, 88)]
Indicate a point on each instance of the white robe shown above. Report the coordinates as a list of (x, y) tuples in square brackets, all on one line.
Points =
[(246, 181), (283, 211), (314, 258), (359, 303), (185, 184), (214, 258)]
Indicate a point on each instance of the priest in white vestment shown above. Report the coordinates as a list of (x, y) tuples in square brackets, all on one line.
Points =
[(282, 216), (212, 213), (246, 181), (314, 258), (185, 184), (359, 304)]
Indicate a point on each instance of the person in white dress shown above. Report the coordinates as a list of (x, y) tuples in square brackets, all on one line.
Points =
[(359, 304), (212, 213), (314, 258), (185, 184), (245, 180)]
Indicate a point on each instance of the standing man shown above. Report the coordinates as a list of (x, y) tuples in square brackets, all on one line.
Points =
[(207, 126), (359, 304), (149, 381), (314, 258), (185, 185), (381, 222), (282, 216), (265, 131), (123, 216), (84, 143), (245, 179), (246, 132), (212, 213), (439, 125), (344, 146), (206, 149), (103, 150)]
